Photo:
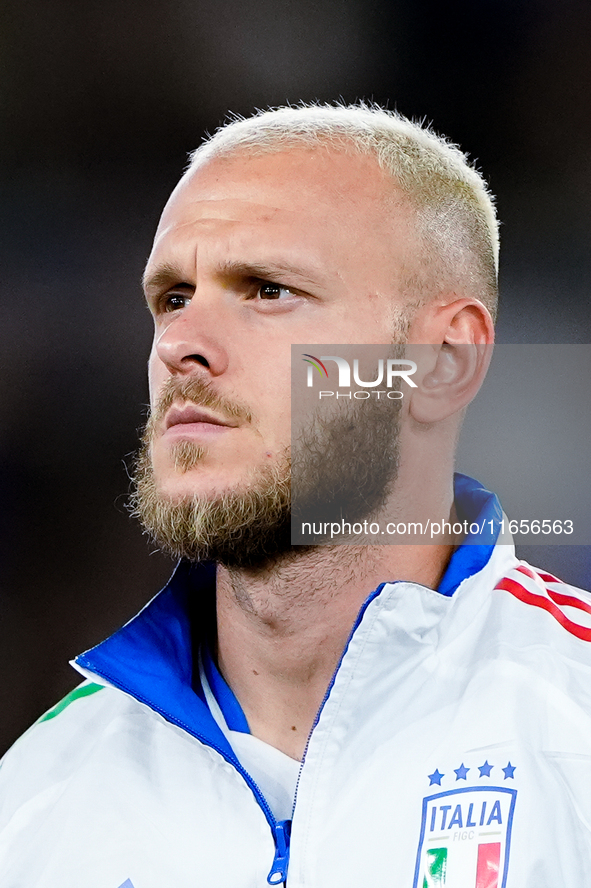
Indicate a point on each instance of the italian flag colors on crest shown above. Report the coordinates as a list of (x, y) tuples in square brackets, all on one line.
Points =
[(465, 838)]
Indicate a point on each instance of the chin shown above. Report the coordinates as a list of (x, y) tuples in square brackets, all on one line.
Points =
[(190, 487), (238, 525)]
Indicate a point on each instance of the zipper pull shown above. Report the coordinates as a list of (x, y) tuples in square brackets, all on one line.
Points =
[(278, 872)]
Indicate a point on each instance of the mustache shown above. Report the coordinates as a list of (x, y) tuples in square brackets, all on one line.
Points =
[(202, 394)]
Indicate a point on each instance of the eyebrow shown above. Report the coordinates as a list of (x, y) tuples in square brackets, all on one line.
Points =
[(169, 274), (166, 275), (264, 270)]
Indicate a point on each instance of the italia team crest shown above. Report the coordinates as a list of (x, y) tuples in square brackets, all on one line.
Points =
[(465, 838)]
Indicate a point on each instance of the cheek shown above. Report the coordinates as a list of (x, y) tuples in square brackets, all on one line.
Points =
[(278, 412), (157, 375)]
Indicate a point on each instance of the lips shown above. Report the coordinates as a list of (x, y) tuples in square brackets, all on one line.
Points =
[(191, 414)]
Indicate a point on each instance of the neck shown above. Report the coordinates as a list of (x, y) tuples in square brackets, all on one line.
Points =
[(283, 629)]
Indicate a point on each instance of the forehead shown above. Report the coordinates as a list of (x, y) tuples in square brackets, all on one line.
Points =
[(329, 203)]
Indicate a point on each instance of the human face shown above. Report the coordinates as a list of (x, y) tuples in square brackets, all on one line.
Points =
[(251, 255)]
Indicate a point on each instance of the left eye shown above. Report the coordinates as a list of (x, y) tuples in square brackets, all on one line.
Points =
[(273, 291)]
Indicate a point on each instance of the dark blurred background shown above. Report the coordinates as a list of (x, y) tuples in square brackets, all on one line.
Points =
[(100, 103)]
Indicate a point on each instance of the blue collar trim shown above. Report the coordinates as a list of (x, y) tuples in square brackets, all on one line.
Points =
[(476, 505), (150, 657)]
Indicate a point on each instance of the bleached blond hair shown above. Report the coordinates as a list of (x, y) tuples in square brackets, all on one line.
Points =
[(455, 217)]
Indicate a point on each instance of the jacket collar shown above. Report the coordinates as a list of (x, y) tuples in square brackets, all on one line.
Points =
[(150, 658)]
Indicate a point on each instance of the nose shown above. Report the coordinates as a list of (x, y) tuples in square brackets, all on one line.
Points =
[(192, 339)]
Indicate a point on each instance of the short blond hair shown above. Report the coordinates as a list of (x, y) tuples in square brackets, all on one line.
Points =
[(455, 212)]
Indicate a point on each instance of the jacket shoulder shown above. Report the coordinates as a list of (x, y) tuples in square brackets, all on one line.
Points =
[(49, 752)]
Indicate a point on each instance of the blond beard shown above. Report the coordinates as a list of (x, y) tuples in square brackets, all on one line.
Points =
[(241, 528)]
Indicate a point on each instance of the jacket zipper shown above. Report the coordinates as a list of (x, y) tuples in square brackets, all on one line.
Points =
[(281, 830), (278, 874)]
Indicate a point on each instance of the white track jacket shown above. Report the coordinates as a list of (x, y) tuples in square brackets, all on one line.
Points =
[(453, 750)]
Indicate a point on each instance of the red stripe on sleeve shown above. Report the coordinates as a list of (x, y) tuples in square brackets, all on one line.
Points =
[(523, 594)]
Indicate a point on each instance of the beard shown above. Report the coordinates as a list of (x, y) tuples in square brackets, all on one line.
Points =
[(344, 465), (242, 528)]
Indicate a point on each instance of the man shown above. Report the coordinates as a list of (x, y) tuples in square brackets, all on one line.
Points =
[(329, 715)]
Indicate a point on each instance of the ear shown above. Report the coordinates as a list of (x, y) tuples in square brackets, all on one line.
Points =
[(453, 366)]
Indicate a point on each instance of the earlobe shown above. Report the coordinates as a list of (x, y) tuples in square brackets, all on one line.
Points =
[(453, 371)]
